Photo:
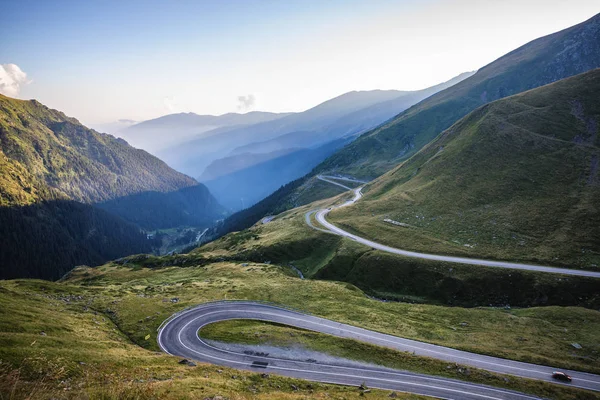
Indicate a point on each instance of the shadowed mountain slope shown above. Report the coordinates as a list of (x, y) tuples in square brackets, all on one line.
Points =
[(245, 187)]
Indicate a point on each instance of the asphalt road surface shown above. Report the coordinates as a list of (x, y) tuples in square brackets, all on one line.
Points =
[(328, 180), (321, 214), (179, 336), (335, 180)]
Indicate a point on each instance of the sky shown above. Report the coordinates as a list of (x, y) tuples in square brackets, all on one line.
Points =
[(102, 61)]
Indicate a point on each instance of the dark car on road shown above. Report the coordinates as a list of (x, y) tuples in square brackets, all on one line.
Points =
[(561, 376)]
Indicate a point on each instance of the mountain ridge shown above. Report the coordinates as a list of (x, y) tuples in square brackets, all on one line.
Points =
[(393, 142), (544, 60), (516, 178), (155, 135), (194, 155), (208, 119), (76, 162)]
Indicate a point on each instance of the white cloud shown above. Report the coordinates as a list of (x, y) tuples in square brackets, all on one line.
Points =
[(245, 103), (11, 79), (171, 104)]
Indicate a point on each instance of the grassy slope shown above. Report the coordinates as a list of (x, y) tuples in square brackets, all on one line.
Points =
[(294, 194), (313, 190), (516, 179), (287, 240), (78, 314), (45, 151), (542, 61)]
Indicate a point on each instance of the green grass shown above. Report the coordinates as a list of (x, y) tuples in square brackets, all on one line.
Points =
[(349, 184), (315, 189), (140, 301), (286, 240), (47, 155)]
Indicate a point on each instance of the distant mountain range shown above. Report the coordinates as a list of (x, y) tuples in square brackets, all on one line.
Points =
[(250, 162), (193, 156), (158, 134), (52, 171)]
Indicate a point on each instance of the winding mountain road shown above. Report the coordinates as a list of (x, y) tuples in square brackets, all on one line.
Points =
[(321, 214), (179, 336)]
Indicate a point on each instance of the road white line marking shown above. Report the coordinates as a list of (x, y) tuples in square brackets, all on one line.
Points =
[(361, 332), (364, 369), (376, 338)]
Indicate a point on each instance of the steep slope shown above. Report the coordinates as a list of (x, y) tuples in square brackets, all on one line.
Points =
[(542, 61), (155, 134), (52, 169), (515, 179), (63, 156), (280, 200), (245, 187), (297, 193), (190, 206), (228, 165), (48, 155), (45, 240)]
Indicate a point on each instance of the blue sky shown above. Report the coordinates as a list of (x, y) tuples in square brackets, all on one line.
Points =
[(104, 60)]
